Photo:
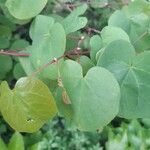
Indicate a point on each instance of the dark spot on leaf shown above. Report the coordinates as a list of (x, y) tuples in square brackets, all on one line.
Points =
[(30, 120)]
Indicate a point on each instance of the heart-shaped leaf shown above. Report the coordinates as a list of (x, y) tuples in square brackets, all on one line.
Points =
[(28, 106), (123, 22), (74, 22), (13, 19), (94, 99), (133, 75), (21, 9), (49, 42), (110, 34)]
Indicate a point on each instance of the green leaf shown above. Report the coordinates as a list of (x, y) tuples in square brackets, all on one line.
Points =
[(71, 43), (117, 141), (94, 98), (19, 44), (95, 44), (37, 31), (5, 21), (136, 22), (2, 145), (4, 43), (49, 42), (6, 67), (26, 64), (123, 22), (35, 147), (23, 10), (86, 63), (30, 139), (99, 53), (133, 75), (110, 34), (65, 110), (42, 145), (139, 35), (138, 6), (30, 103), (74, 22), (11, 17), (2, 2), (5, 35), (16, 142), (18, 71)]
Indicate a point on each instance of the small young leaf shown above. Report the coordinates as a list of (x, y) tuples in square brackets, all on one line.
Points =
[(16, 142), (74, 22), (30, 103)]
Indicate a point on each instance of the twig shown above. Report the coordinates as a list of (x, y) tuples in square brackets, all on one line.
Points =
[(46, 65), (90, 30), (74, 52), (13, 53)]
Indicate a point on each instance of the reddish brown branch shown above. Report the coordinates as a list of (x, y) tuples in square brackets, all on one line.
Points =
[(46, 65), (13, 53), (74, 52)]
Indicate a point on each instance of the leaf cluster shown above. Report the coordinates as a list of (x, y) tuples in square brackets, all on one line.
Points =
[(89, 80)]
